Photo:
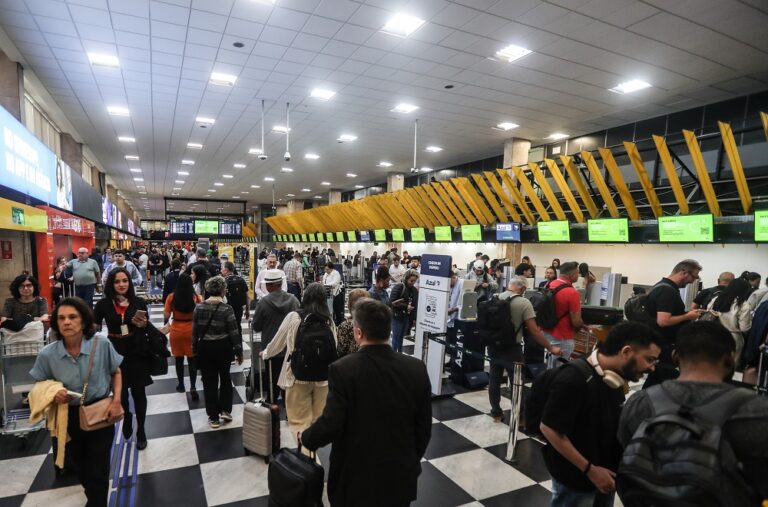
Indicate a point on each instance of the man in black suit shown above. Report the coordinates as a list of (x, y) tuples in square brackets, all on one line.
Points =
[(378, 416)]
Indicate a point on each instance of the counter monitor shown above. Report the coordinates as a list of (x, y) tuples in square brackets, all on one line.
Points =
[(351, 236), (761, 225), (686, 229), (508, 231), (417, 234), (380, 234), (339, 236), (312, 237), (443, 233), (304, 238), (472, 232), (398, 235), (365, 236), (555, 231), (608, 230)]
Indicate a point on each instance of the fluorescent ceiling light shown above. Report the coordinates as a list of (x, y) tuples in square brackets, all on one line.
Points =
[(176, 188), (359, 186), (221, 79), (138, 179), (244, 192), (174, 194), (125, 139), (179, 182), (195, 146), (238, 166), (183, 173), (557, 136), (104, 60), (433, 149), (312, 156), (235, 197), (512, 53), (346, 137), (255, 151), (319, 93), (280, 129), (404, 108), (290, 195), (135, 170), (318, 197), (402, 25), (140, 186), (228, 176), (203, 119), (306, 189), (211, 190), (426, 169), (143, 193), (286, 170), (207, 195), (325, 183), (384, 164), (507, 126), (255, 186), (187, 162), (269, 178), (218, 184), (630, 86), (118, 111), (131, 157), (351, 175)]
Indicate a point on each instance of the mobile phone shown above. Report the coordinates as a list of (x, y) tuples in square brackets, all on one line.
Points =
[(141, 314), (74, 394)]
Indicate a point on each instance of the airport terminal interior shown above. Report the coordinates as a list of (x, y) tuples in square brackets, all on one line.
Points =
[(465, 141)]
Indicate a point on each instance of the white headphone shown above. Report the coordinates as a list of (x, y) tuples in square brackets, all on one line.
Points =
[(611, 378)]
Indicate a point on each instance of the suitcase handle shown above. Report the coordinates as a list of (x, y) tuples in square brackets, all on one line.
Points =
[(312, 454)]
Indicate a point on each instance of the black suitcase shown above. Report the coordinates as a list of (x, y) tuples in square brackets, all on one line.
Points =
[(295, 480)]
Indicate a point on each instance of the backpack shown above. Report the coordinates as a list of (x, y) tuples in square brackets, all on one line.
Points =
[(537, 400), (636, 308), (543, 301), (237, 290), (314, 349), (494, 317), (680, 457)]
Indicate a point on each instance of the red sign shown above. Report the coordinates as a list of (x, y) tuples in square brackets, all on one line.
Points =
[(60, 222), (6, 247)]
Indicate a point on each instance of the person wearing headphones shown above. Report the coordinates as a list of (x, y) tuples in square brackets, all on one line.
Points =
[(580, 418)]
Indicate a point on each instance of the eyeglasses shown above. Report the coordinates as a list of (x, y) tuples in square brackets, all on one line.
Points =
[(27, 286), (651, 360)]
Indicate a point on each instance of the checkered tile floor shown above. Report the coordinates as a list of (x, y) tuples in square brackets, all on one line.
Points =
[(188, 463)]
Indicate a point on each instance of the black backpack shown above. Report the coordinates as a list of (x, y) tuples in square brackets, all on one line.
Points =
[(494, 317), (237, 291), (543, 301), (636, 308), (314, 349), (537, 400), (679, 457)]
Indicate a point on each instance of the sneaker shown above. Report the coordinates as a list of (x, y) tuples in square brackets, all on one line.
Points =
[(213, 423), (226, 416), (193, 394), (498, 418)]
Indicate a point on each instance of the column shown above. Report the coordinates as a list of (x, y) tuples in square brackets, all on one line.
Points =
[(111, 193), (395, 181), (334, 196), (295, 205), (12, 86), (72, 153), (516, 151)]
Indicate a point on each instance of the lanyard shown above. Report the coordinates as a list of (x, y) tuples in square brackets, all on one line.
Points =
[(120, 310)]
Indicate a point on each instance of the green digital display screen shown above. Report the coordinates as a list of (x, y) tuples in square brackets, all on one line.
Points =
[(311, 236), (443, 233), (761, 225), (304, 237), (351, 236), (206, 226), (293, 237), (398, 235), (608, 230), (380, 235), (555, 231), (417, 234), (339, 236), (472, 232), (329, 236), (687, 229), (279, 237)]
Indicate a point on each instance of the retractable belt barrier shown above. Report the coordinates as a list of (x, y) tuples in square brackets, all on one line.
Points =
[(515, 386)]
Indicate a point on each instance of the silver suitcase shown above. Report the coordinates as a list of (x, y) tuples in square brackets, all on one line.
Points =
[(261, 420)]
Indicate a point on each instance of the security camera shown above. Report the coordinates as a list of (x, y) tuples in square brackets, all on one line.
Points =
[(263, 157), (287, 156)]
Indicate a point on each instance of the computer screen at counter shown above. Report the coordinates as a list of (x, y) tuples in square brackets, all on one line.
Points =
[(686, 229)]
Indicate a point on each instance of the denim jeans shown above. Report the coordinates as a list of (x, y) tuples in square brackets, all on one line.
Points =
[(399, 327), (157, 280), (85, 292), (563, 496), (566, 346)]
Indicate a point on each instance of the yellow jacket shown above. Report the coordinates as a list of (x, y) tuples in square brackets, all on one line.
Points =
[(42, 404)]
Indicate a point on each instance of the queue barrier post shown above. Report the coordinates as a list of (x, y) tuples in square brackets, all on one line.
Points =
[(516, 390)]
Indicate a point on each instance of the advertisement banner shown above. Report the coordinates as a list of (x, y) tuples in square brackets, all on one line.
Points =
[(20, 217), (60, 222), (63, 186)]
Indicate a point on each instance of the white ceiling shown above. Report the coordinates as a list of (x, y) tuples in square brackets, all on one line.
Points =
[(692, 51)]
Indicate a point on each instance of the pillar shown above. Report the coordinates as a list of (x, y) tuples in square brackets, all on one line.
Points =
[(72, 153), (513, 252), (334, 196), (12, 86), (281, 210), (295, 205), (395, 181), (111, 193), (516, 151), (95, 178)]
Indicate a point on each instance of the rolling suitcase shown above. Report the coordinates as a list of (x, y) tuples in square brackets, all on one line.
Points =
[(295, 480), (261, 420)]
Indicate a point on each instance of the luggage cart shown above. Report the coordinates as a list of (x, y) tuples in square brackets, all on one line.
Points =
[(16, 359)]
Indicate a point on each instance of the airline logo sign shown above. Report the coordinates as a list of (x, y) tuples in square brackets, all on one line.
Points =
[(434, 289)]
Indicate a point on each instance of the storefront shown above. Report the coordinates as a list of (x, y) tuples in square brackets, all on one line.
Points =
[(16, 244)]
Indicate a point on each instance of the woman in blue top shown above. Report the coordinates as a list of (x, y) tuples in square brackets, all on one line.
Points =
[(66, 360)]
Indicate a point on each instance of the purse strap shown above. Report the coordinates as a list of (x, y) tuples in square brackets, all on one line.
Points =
[(90, 367)]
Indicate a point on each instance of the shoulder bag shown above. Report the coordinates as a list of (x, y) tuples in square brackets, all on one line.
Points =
[(94, 416)]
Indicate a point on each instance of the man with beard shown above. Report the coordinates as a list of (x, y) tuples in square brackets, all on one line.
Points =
[(581, 415)]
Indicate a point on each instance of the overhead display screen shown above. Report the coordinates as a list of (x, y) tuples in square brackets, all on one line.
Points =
[(417, 234), (380, 235), (206, 226), (304, 237), (443, 233), (182, 227), (365, 236), (230, 228), (687, 229), (761, 225), (329, 236), (351, 236), (472, 232), (508, 231), (557, 231), (312, 236), (339, 236), (608, 230), (398, 235)]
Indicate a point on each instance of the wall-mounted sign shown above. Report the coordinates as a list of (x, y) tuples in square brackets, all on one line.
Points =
[(60, 222), (20, 217), (6, 247)]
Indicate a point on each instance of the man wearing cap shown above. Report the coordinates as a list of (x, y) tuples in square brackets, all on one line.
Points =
[(85, 273), (294, 275), (486, 286), (260, 287), (267, 317)]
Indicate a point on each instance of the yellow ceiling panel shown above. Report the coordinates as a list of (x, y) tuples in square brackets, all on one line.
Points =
[(458, 201), (581, 187), (449, 203), (669, 168), (764, 119), (502, 195), (404, 198), (645, 180), (473, 200), (393, 206), (531, 193), (489, 197), (565, 190), (444, 208), (548, 193), (702, 172), (425, 205), (506, 177), (605, 193), (618, 181), (439, 211), (738, 170)]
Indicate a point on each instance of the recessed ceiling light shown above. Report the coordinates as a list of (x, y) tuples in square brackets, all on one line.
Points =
[(557, 136), (183, 173), (176, 188), (384, 163), (351, 175), (433, 149), (125, 139), (143, 193), (244, 192), (205, 120), (312, 156), (179, 182), (235, 197), (135, 170), (319, 93), (174, 194), (512, 53), (140, 186), (402, 25), (210, 190), (507, 125), (255, 151), (318, 197), (187, 162), (326, 183), (228, 176), (207, 195), (630, 86), (359, 186), (269, 178), (286, 170), (218, 184), (195, 146), (138, 179), (255, 186), (221, 79), (118, 111), (104, 60), (280, 129), (306, 189), (290, 195), (346, 137), (404, 108), (426, 169), (131, 157), (238, 166)]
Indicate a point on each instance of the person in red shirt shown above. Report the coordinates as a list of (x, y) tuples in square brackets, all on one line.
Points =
[(568, 311)]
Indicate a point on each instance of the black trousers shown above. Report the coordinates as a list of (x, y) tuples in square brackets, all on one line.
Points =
[(238, 309), (214, 358), (270, 376), (338, 308), (89, 452)]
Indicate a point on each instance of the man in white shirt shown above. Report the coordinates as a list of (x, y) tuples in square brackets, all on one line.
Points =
[(261, 286), (396, 270), (332, 279)]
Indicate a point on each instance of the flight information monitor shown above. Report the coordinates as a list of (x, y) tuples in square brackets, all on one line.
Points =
[(508, 231), (443, 233), (329, 236), (556, 231), (687, 229), (206, 227), (417, 234), (312, 236), (339, 236), (380, 234), (182, 227), (608, 230), (472, 232), (304, 237), (761, 225), (231, 228), (398, 235), (351, 236), (365, 236)]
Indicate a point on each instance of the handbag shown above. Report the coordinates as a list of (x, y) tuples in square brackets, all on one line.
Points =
[(157, 347), (94, 416)]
